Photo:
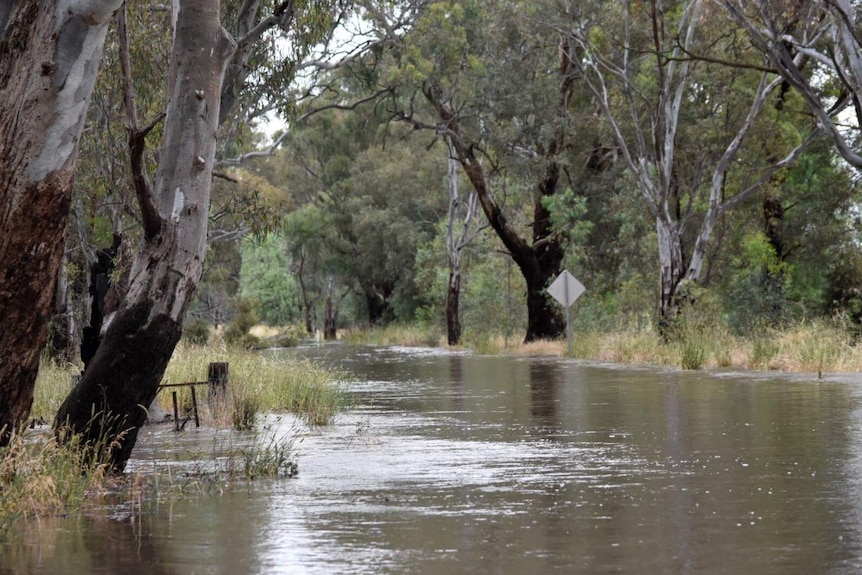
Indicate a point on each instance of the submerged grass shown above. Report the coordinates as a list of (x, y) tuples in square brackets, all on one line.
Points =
[(40, 477), (43, 477), (259, 382)]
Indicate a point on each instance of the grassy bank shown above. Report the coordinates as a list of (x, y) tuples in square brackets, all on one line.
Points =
[(815, 346)]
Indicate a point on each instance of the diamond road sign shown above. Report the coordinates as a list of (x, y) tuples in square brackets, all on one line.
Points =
[(566, 289)]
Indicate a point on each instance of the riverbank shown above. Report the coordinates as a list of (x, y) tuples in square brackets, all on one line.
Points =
[(812, 347)]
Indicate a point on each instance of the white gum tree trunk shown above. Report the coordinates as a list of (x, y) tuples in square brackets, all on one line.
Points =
[(125, 373)]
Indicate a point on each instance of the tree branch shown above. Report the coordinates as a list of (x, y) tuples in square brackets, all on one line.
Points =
[(137, 138), (238, 160)]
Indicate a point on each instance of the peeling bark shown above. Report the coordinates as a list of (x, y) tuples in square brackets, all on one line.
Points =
[(51, 54), (107, 405)]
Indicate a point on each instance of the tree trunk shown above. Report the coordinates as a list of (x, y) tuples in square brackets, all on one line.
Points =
[(329, 319), (108, 403), (307, 301), (377, 307), (453, 296), (671, 268), (50, 57), (100, 284), (61, 339), (455, 246), (538, 262)]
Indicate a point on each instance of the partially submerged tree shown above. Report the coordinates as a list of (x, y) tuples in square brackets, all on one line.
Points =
[(109, 402), (499, 89), (49, 56)]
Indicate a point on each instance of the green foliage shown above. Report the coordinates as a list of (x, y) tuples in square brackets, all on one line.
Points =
[(266, 280), (196, 332), (237, 332), (757, 297), (568, 211)]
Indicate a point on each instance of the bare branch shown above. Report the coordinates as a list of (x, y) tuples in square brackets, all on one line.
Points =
[(224, 176), (265, 153), (137, 138)]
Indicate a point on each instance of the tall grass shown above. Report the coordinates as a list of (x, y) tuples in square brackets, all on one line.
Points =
[(43, 477), (259, 381), (52, 386), (396, 334)]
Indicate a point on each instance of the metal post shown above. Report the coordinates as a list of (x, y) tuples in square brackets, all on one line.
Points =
[(195, 406), (176, 411)]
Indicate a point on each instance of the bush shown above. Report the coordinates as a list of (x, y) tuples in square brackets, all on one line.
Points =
[(236, 332), (197, 332)]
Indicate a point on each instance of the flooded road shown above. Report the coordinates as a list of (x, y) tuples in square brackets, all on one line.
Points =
[(451, 463)]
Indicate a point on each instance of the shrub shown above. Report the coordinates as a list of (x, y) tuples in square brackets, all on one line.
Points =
[(197, 332)]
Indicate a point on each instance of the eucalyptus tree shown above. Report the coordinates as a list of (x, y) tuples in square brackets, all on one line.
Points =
[(106, 405), (49, 56), (816, 47), (678, 124), (488, 78), (461, 229)]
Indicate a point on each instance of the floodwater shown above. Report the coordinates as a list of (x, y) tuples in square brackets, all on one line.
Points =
[(452, 463)]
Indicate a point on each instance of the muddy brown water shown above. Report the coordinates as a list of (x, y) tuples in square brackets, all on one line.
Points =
[(452, 463)]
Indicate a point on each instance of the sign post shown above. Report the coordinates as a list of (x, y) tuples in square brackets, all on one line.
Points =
[(566, 289)]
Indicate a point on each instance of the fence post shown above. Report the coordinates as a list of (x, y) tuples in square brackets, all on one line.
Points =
[(217, 379)]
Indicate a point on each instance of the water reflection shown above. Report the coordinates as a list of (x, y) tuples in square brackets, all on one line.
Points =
[(84, 545), (545, 380), (450, 463)]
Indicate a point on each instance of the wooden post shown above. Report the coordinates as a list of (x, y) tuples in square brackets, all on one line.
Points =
[(217, 378)]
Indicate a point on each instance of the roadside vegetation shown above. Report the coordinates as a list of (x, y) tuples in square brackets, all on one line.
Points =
[(812, 346)]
